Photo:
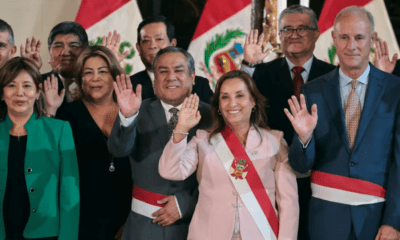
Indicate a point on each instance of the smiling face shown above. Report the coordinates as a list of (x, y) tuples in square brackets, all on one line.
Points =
[(235, 102), (173, 82), (64, 51), (20, 95), (153, 38), (353, 41), (297, 46), (97, 82)]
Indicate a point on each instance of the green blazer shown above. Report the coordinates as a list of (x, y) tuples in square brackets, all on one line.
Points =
[(51, 169)]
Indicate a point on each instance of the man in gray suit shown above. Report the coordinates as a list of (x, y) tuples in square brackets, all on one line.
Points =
[(161, 209)]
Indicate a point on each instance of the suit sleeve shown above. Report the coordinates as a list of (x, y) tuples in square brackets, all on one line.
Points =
[(391, 214), (122, 139), (302, 159), (69, 186)]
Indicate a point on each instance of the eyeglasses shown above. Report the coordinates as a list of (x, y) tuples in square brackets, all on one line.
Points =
[(301, 31)]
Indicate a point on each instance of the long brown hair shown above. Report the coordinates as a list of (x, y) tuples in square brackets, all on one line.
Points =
[(10, 70), (258, 117), (103, 53)]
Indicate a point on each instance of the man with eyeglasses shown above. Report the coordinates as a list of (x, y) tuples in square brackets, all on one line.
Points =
[(281, 78)]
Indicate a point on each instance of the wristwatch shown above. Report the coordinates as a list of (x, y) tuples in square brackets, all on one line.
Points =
[(252, 65)]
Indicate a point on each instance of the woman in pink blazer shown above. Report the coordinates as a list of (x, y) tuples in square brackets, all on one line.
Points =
[(229, 207)]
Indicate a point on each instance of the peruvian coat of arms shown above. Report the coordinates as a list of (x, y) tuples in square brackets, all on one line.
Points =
[(223, 53)]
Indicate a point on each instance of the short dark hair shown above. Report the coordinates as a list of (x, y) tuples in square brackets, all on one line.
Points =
[(157, 19), (10, 70), (257, 118), (69, 27), (5, 27), (103, 53), (172, 49)]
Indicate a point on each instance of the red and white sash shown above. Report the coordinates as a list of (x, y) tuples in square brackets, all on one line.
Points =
[(145, 202), (345, 190), (247, 182)]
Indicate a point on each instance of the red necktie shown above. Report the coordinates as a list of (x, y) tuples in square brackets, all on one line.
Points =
[(298, 80)]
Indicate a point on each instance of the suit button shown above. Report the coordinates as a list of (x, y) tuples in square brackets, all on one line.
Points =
[(32, 190), (174, 185), (351, 164), (29, 170), (33, 210)]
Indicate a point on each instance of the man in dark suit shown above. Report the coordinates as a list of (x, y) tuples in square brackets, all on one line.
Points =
[(156, 33), (352, 143), (66, 41), (382, 60), (276, 79), (161, 209)]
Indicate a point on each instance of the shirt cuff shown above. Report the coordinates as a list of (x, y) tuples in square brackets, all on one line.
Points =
[(177, 205), (247, 69), (126, 122), (305, 145)]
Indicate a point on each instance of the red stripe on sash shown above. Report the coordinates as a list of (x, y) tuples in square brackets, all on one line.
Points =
[(253, 179), (147, 196), (347, 184)]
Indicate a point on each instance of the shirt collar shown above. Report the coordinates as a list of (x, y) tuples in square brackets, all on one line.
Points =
[(167, 107), (151, 75), (344, 79), (306, 65)]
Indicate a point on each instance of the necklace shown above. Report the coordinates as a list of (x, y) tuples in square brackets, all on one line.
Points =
[(112, 167)]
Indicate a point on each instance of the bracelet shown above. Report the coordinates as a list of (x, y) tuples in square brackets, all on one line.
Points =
[(183, 133)]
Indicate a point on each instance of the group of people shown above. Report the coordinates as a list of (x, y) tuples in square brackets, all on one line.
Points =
[(294, 148)]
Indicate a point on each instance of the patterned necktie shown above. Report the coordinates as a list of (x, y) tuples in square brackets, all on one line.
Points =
[(298, 80), (352, 114), (173, 120)]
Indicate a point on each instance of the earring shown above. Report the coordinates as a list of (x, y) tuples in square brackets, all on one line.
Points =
[(219, 112), (253, 109)]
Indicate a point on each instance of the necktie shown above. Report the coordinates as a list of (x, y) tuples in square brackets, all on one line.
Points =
[(173, 120), (298, 80), (352, 114)]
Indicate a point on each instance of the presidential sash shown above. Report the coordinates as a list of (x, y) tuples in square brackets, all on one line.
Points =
[(145, 202), (345, 190), (246, 181)]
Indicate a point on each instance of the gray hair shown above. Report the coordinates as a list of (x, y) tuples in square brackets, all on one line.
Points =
[(172, 49), (359, 11), (5, 27), (300, 9)]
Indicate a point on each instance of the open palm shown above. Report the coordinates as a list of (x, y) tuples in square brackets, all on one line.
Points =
[(302, 121), (128, 102), (189, 115), (253, 47)]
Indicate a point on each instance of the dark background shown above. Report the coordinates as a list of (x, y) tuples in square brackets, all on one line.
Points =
[(185, 14)]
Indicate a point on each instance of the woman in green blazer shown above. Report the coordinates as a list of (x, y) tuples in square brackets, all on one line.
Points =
[(39, 185)]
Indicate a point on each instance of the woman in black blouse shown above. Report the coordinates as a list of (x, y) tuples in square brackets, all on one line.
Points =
[(105, 181)]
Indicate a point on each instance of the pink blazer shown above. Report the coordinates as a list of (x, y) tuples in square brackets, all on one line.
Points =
[(214, 215)]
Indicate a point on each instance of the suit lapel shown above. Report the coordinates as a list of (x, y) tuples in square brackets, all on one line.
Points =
[(159, 119), (332, 97), (316, 70), (376, 85), (285, 76)]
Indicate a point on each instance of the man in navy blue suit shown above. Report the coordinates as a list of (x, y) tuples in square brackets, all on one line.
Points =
[(351, 143)]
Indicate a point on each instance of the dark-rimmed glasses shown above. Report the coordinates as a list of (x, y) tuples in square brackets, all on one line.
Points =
[(301, 31)]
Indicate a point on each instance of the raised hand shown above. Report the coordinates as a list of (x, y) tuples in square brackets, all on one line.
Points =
[(253, 49), (112, 42), (382, 60), (32, 51), (387, 232), (189, 116), (168, 214), (128, 102), (302, 121), (53, 99)]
